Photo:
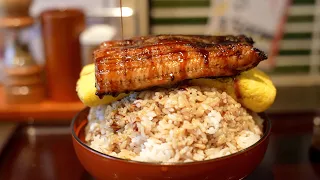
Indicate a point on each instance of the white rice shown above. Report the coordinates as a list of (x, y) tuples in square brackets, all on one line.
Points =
[(172, 125)]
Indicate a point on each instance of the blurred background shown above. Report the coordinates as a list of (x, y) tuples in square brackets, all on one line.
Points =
[(45, 43), (292, 42)]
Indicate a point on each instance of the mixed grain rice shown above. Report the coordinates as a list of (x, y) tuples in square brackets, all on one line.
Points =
[(172, 125)]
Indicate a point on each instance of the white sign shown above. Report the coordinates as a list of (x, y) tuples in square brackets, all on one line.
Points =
[(260, 19)]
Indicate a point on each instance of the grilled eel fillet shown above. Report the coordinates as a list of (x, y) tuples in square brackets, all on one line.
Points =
[(144, 62)]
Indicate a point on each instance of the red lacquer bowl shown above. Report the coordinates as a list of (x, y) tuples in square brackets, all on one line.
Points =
[(104, 167)]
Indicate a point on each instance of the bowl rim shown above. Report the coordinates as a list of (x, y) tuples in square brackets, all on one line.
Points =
[(266, 134)]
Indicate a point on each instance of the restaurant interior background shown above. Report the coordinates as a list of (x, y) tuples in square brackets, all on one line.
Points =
[(296, 73)]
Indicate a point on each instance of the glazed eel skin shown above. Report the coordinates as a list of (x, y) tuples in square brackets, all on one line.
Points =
[(144, 62)]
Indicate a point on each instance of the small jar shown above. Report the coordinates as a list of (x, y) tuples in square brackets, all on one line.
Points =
[(22, 77)]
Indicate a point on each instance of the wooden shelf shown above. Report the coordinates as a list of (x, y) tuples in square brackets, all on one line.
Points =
[(44, 111)]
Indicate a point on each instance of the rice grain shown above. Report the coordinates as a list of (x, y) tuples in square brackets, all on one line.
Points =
[(172, 125)]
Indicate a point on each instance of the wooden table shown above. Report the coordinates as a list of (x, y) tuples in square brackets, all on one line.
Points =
[(46, 152), (47, 110)]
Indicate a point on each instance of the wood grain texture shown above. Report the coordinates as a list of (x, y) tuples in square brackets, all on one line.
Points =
[(45, 111)]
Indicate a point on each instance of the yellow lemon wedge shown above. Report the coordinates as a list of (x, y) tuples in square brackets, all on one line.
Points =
[(253, 89), (86, 89), (87, 70)]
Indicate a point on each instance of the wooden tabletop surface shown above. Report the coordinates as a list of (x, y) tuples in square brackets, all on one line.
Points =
[(46, 110), (46, 152)]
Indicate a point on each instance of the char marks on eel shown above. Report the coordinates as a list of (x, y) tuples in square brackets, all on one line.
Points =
[(149, 61)]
